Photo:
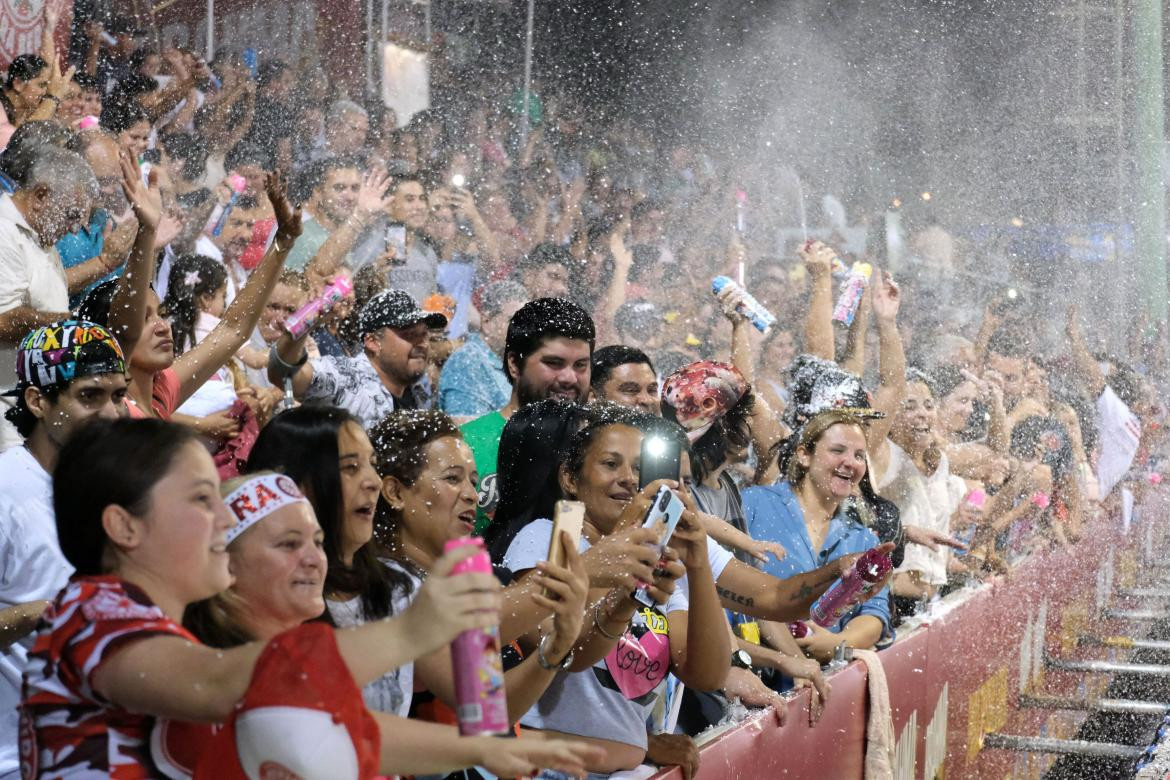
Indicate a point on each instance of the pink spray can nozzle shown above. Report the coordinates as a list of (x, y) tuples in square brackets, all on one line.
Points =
[(303, 318), (237, 183)]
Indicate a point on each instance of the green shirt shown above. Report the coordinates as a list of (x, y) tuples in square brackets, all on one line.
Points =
[(483, 437), (312, 237)]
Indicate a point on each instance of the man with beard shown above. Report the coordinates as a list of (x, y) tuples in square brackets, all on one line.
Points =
[(395, 335), (546, 355)]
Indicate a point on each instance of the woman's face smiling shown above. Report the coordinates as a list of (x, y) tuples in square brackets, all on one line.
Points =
[(609, 476), (837, 462)]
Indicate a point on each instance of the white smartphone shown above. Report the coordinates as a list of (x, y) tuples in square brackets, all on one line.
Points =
[(666, 509)]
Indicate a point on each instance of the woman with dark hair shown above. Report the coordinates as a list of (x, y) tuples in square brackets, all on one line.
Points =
[(327, 452), (607, 705), (147, 537), (962, 399), (1055, 503), (129, 123), (277, 559)]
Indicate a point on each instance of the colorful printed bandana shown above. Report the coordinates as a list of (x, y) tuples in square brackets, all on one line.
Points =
[(57, 354)]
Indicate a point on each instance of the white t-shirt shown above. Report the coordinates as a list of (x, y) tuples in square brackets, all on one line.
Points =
[(923, 501), (32, 568), (29, 276), (392, 692), (1120, 434)]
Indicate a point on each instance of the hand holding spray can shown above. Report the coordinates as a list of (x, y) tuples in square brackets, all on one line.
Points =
[(852, 290), (481, 703), (303, 318), (749, 307), (870, 569)]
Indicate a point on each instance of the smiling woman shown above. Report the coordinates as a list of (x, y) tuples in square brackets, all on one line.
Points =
[(805, 512)]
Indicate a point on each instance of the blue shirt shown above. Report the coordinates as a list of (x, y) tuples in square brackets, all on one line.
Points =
[(773, 514), (86, 244), (473, 381)]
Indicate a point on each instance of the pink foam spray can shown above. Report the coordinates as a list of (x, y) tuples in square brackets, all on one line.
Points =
[(481, 703), (870, 569), (303, 318)]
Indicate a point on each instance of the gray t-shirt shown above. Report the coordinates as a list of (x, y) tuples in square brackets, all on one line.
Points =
[(613, 699), (417, 276)]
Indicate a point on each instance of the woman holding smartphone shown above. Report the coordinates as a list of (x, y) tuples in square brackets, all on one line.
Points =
[(607, 705)]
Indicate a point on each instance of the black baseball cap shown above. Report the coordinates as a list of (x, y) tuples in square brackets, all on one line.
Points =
[(395, 309)]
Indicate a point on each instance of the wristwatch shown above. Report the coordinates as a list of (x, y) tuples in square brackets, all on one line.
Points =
[(741, 660), (544, 663)]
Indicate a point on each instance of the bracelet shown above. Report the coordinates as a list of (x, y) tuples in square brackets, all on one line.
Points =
[(282, 369), (598, 624), (276, 244), (544, 662)]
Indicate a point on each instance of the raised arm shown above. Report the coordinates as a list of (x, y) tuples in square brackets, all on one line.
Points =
[(892, 387), (371, 200), (168, 676), (196, 366), (818, 322), (615, 294), (854, 359), (1086, 365), (128, 305)]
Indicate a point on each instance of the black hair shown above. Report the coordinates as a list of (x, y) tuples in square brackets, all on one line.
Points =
[(646, 206), (22, 417), (400, 442), (315, 174), (545, 254), (249, 153), (944, 380), (26, 67), (606, 359), (529, 454), (95, 306), (1045, 438), (118, 116), (132, 86), (539, 320), (189, 148), (121, 460), (181, 306), (730, 429), (87, 82), (302, 443), (270, 71)]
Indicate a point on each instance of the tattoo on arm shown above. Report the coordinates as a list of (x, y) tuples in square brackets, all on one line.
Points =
[(730, 595)]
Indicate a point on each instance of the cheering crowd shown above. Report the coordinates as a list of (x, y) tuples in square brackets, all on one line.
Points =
[(213, 507)]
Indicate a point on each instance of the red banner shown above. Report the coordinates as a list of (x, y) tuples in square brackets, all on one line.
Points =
[(953, 679)]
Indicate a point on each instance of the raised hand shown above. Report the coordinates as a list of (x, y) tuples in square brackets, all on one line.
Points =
[(145, 199), (565, 591), (817, 258), (887, 296), (288, 219), (372, 197)]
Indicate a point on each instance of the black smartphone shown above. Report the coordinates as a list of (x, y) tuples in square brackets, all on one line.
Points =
[(660, 460)]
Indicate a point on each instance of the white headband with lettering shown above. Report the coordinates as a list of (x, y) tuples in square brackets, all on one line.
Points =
[(259, 497)]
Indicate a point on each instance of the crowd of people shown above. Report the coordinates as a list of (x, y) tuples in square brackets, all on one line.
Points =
[(212, 507)]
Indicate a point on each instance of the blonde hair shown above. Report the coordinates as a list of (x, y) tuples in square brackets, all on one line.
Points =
[(811, 432)]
